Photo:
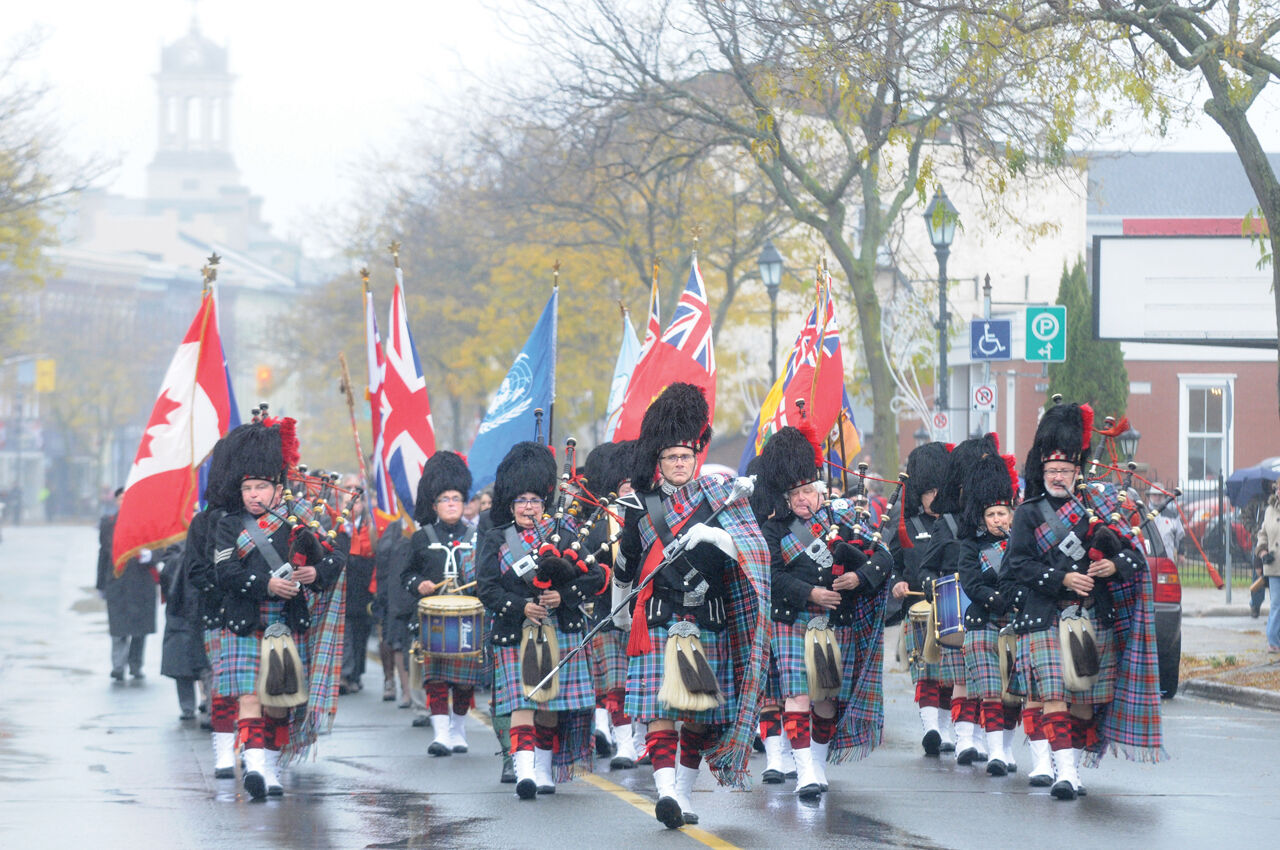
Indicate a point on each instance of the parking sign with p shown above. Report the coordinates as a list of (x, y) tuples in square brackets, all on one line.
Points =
[(1046, 334)]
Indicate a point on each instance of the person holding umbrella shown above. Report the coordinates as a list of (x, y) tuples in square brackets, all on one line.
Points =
[(1269, 536)]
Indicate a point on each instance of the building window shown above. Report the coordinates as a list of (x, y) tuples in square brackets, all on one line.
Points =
[(1205, 417)]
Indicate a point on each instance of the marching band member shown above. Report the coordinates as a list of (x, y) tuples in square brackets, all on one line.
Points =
[(941, 559), (926, 469), (828, 613), (443, 553), (699, 634), (269, 570), (1086, 586), (608, 474), (989, 496), (536, 590)]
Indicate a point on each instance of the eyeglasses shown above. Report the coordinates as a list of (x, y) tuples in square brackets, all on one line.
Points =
[(524, 503), (1059, 473), (680, 458), (447, 500)]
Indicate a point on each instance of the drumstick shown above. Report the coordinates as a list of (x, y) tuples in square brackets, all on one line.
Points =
[(465, 586)]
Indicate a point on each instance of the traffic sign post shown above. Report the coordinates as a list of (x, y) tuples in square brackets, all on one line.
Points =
[(1046, 334), (940, 420), (983, 398), (990, 339)]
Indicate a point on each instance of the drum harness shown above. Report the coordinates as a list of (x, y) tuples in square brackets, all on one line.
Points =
[(451, 550)]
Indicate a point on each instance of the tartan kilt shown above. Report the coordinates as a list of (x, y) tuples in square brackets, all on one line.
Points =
[(467, 671), (788, 648), (949, 671), (1039, 662), (607, 658), (241, 657), (576, 691), (982, 663), (644, 680), (213, 651)]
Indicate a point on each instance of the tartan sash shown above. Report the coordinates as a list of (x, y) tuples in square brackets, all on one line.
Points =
[(660, 525)]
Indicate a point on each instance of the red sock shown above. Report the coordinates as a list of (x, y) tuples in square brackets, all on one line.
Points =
[(252, 733), (1082, 732), (614, 701), (1057, 728), (544, 737), (927, 694), (464, 699), (770, 724), (1033, 722), (662, 747), (797, 725), (438, 697), (522, 738), (971, 710), (275, 731), (993, 715), (823, 729), (692, 744), (957, 709), (619, 718), (1011, 715), (944, 695), (223, 712)]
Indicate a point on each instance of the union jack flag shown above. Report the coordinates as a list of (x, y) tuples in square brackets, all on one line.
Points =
[(653, 329), (386, 497), (690, 328), (407, 432)]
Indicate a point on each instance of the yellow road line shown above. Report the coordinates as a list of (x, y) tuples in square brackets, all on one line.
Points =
[(642, 803)]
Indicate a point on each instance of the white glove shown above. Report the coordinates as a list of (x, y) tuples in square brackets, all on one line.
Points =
[(717, 537), (144, 557)]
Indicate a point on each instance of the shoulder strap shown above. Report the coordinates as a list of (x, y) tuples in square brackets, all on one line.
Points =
[(951, 524), (431, 534), (658, 516), (522, 562), (263, 544)]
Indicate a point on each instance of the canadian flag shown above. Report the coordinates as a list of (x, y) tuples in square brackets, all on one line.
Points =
[(191, 413)]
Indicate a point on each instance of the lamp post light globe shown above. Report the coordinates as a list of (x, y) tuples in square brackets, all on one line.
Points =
[(1128, 443), (940, 219)]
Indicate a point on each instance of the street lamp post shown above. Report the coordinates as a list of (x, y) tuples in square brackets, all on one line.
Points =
[(1128, 443), (921, 436), (940, 219), (771, 274)]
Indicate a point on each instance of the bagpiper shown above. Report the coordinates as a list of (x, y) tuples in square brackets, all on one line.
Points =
[(698, 643), (828, 584)]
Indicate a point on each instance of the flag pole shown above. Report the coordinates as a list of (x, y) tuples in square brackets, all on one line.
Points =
[(821, 316), (555, 349), (355, 436)]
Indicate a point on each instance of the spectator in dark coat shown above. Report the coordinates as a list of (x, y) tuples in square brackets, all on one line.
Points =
[(397, 605), (131, 600), (182, 656), (359, 620)]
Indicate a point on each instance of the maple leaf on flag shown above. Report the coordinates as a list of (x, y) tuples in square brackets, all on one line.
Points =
[(159, 417)]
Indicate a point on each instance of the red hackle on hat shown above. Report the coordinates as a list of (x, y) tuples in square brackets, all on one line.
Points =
[(1086, 413), (1011, 463), (806, 428)]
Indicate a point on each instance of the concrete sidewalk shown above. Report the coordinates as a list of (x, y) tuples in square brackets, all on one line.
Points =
[(1224, 649), (1211, 602)]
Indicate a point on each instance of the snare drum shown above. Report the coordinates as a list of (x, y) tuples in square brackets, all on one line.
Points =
[(922, 647), (451, 626), (949, 605)]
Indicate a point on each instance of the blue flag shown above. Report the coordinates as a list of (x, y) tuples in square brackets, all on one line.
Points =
[(232, 424), (530, 384), (628, 356)]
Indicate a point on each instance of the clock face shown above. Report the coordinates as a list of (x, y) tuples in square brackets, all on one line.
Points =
[(191, 55)]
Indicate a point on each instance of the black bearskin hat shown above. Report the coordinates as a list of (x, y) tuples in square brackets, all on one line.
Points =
[(963, 457), (926, 470), (1064, 433), (222, 489), (790, 458), (678, 417), (263, 450), (599, 470), (992, 480), (764, 502), (442, 472), (528, 468)]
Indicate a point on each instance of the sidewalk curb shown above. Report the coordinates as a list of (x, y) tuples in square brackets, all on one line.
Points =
[(1225, 611), (1237, 694)]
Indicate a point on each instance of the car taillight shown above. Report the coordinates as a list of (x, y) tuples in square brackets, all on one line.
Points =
[(1167, 586)]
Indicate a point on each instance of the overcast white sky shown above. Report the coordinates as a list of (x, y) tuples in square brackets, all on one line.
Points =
[(319, 85)]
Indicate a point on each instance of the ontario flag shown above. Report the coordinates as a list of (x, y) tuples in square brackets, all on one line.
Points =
[(191, 413), (385, 509), (683, 353), (408, 437), (814, 373), (653, 328)]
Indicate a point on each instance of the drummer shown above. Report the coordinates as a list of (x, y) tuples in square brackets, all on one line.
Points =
[(536, 598), (941, 560), (990, 493), (444, 560), (926, 469), (836, 588)]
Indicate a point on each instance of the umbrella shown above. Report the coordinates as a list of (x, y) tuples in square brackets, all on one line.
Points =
[(1247, 484)]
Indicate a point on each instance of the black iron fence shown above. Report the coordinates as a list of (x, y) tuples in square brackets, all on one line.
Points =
[(1212, 529)]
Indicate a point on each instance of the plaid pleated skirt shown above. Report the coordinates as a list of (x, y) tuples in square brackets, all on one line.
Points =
[(241, 658), (644, 680), (1039, 661), (576, 690), (949, 671), (608, 661), (213, 651), (787, 645), (982, 663)]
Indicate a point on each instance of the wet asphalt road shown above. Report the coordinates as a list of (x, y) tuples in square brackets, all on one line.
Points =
[(85, 762)]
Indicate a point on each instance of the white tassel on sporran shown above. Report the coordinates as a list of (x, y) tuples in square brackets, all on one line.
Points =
[(822, 659), (688, 682), (282, 680)]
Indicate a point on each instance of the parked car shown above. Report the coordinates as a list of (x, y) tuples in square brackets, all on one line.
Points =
[(1166, 595), (1203, 524)]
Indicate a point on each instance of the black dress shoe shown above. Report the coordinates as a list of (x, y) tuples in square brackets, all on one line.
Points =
[(995, 767), (421, 720), (206, 725), (603, 748), (508, 772), (621, 763), (1063, 790), (1042, 780), (932, 742), (224, 773), (187, 714), (118, 675), (772, 777), (668, 811), (527, 789), (967, 756), (255, 785), (947, 746), (438, 748)]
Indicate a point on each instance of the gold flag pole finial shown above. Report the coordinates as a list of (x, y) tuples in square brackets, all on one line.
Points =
[(394, 248), (555, 273), (622, 308), (364, 278), (697, 234), (210, 271), (657, 264)]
